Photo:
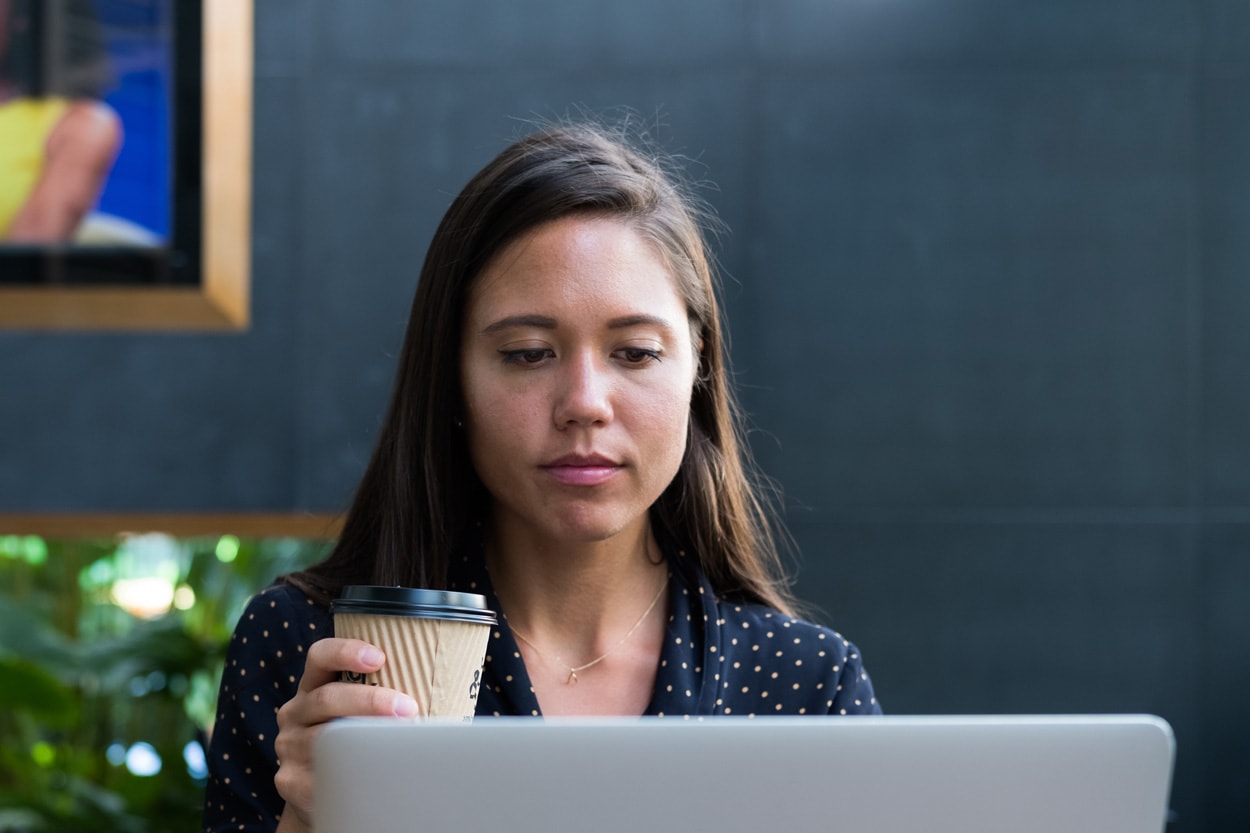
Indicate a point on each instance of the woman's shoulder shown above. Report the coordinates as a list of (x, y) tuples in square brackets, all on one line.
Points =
[(775, 663), (749, 627), (282, 608), (763, 629), (269, 643)]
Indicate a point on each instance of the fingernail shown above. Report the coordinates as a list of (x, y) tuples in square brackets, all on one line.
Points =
[(405, 706), (372, 656)]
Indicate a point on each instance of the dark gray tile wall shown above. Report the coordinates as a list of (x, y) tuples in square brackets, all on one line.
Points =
[(1058, 35), (1225, 646), (1224, 199), (986, 282), (983, 320)]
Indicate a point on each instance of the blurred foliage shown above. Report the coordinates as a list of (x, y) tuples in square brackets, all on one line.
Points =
[(91, 695)]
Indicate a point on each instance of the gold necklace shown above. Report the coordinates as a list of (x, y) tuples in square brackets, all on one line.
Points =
[(572, 678)]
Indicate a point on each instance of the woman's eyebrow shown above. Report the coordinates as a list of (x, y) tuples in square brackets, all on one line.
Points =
[(641, 319), (544, 322), (540, 321)]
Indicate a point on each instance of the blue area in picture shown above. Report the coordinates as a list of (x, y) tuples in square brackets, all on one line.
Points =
[(139, 42)]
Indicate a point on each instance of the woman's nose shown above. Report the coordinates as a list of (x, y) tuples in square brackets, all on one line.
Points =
[(584, 394)]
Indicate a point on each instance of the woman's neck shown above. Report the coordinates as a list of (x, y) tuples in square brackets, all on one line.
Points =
[(574, 598), (589, 618)]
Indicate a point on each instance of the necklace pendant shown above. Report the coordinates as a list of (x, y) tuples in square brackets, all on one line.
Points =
[(572, 680)]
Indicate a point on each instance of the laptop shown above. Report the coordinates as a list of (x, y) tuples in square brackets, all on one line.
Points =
[(893, 774)]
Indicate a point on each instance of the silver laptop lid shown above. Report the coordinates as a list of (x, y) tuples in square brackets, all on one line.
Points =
[(1047, 774)]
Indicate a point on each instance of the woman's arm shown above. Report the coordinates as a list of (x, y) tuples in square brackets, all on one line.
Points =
[(78, 155)]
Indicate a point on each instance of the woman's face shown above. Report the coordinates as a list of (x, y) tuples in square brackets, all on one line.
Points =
[(577, 367)]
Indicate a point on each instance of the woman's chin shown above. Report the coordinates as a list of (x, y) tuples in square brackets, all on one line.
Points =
[(589, 526)]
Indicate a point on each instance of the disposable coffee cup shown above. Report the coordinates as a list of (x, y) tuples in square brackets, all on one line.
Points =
[(434, 640)]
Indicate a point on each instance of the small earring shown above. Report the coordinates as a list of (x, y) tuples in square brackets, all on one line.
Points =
[(459, 423)]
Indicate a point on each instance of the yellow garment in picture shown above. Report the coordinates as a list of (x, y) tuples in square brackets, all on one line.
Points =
[(24, 127)]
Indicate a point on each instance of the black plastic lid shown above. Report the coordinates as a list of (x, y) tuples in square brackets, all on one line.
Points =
[(409, 601)]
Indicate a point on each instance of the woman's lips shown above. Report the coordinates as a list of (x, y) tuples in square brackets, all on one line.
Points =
[(582, 471)]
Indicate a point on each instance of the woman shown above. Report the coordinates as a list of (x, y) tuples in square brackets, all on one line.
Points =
[(562, 438)]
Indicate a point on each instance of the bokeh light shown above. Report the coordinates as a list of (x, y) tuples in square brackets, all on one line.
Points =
[(227, 548), (184, 597), (197, 763), (43, 754), (146, 597), (142, 760)]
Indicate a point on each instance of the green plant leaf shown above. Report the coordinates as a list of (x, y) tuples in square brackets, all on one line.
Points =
[(24, 632), (21, 820), (26, 687), (159, 645)]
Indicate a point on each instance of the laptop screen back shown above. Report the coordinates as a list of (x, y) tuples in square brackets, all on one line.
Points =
[(1094, 774)]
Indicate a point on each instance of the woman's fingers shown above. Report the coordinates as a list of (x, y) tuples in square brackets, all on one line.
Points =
[(320, 698), (328, 657), (294, 782), (336, 699)]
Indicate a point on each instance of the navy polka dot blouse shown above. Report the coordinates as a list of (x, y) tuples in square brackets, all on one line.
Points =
[(719, 658)]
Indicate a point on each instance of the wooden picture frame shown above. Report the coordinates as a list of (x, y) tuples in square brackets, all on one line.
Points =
[(106, 525), (220, 300)]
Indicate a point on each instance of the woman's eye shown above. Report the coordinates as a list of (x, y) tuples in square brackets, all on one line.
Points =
[(639, 355), (525, 357)]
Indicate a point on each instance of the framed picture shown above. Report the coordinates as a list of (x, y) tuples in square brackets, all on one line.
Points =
[(125, 169)]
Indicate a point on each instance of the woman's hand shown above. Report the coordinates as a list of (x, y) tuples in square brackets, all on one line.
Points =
[(320, 699)]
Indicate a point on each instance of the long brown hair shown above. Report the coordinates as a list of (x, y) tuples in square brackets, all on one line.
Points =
[(416, 505)]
